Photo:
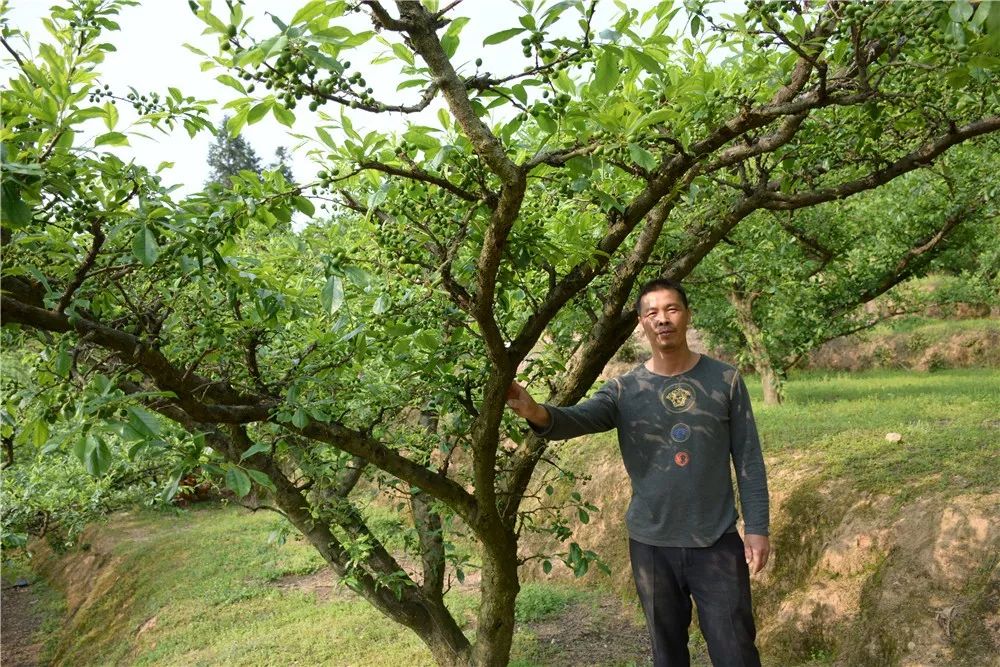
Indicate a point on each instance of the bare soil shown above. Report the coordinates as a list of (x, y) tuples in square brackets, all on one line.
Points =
[(965, 349), (20, 622)]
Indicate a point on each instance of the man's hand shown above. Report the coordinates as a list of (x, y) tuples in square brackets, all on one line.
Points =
[(756, 548), (521, 402)]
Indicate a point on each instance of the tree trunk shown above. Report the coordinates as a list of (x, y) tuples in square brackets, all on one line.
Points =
[(449, 646), (499, 590), (769, 378)]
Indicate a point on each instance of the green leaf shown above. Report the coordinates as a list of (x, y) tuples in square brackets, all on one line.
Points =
[(97, 459), (80, 448), (584, 517), (237, 121), (143, 422), (283, 115), (238, 481), (144, 246), (546, 566), (502, 36), (39, 433), (63, 363), (232, 83), (403, 53), (261, 479), (258, 111), (958, 77), (111, 139), (455, 27), (606, 75), (449, 44), (305, 206), (960, 11), (332, 297), (170, 490), (655, 118), (300, 419), (309, 11), (256, 449), (325, 137), (642, 157), (546, 124), (110, 115), (13, 209), (358, 276)]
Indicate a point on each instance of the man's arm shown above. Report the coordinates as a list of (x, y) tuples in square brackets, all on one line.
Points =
[(595, 415), (524, 406), (750, 476)]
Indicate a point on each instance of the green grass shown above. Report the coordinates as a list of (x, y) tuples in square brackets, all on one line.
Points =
[(207, 577), (838, 422), (539, 601)]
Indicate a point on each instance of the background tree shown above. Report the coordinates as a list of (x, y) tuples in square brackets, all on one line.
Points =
[(282, 163), (229, 155), (373, 350), (783, 284)]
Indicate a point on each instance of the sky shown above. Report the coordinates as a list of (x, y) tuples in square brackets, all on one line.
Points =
[(151, 56)]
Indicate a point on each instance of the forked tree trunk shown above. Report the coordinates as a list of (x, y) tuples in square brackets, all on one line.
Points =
[(449, 646), (769, 378)]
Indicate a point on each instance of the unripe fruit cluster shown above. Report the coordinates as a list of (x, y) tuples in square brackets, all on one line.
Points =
[(296, 76)]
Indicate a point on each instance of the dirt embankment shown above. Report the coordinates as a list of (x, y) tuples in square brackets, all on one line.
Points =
[(914, 350), (85, 577), (853, 580)]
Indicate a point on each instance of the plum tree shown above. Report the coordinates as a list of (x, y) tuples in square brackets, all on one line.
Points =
[(503, 234)]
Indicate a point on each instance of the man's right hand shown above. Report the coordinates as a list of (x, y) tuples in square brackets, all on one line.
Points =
[(521, 402)]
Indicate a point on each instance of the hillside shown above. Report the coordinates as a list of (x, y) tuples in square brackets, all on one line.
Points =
[(885, 553)]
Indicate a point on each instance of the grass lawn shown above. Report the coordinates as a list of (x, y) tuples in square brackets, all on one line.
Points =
[(207, 577), (949, 422)]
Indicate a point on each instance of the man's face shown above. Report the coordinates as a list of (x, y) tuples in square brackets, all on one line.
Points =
[(664, 320)]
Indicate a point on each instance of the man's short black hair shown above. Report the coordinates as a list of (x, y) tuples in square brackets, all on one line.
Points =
[(655, 286)]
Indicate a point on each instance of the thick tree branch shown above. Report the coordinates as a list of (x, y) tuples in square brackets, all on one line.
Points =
[(421, 25), (558, 158), (192, 391), (418, 174), (758, 146), (911, 262), (919, 158), (377, 454)]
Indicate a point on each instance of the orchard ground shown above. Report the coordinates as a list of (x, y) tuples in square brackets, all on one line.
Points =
[(884, 553)]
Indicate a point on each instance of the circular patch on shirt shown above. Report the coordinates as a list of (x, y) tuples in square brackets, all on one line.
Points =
[(682, 458), (678, 397), (680, 432)]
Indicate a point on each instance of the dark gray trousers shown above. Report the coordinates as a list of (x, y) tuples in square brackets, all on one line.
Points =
[(718, 579)]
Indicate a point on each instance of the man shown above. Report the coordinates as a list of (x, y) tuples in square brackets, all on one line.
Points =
[(681, 417)]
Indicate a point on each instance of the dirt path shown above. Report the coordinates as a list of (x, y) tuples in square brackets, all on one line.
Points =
[(20, 620)]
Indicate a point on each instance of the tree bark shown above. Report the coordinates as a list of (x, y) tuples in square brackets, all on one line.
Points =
[(743, 305), (499, 590)]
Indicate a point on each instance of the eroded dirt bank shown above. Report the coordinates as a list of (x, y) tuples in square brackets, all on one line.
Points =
[(854, 579)]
